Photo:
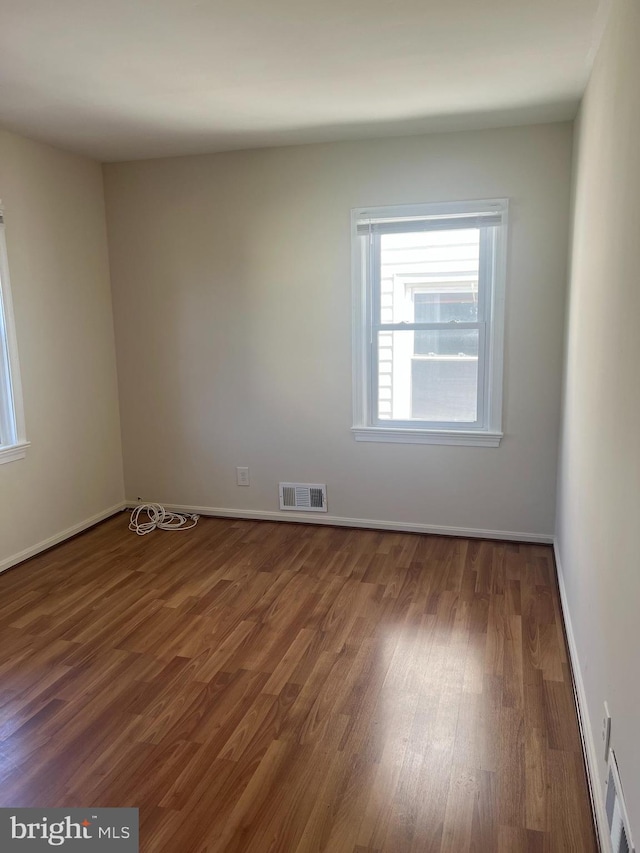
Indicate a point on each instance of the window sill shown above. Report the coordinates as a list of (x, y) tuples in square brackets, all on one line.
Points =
[(470, 438), (13, 452)]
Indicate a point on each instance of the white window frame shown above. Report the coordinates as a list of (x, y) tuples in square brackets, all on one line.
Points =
[(487, 431), (13, 441)]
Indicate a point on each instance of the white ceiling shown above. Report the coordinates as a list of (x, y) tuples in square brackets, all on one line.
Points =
[(128, 79)]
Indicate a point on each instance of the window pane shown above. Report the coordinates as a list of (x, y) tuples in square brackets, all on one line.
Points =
[(439, 385), (429, 277), (438, 305), (454, 342)]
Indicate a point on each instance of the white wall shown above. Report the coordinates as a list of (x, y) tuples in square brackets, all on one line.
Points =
[(58, 262), (599, 486), (232, 294)]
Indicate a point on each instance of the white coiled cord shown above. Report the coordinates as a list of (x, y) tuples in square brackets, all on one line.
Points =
[(159, 517)]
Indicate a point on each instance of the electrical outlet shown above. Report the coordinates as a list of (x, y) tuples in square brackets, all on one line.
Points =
[(606, 731), (242, 476)]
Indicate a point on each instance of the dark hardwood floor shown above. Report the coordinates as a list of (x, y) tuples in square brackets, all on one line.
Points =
[(258, 687)]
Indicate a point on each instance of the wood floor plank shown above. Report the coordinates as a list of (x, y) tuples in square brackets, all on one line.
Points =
[(255, 686)]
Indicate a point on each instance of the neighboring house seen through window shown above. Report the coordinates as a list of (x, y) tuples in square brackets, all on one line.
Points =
[(428, 322)]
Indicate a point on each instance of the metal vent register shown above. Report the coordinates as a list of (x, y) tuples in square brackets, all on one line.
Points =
[(617, 817), (304, 497)]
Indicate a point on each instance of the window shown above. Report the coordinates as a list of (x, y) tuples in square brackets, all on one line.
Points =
[(12, 439), (428, 322)]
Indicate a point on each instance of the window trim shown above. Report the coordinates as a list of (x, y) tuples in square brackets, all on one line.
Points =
[(11, 401), (365, 426)]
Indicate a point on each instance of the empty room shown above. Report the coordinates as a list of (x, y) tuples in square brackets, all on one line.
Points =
[(319, 446)]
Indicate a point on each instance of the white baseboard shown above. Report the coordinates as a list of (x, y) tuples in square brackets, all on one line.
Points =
[(586, 729), (59, 537), (341, 521)]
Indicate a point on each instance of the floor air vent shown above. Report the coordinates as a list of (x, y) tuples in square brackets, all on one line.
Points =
[(304, 497), (616, 812)]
